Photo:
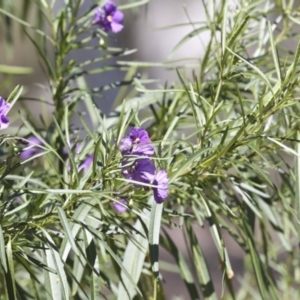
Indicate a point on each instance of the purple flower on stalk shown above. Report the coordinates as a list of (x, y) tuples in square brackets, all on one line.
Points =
[(137, 143), (161, 191), (32, 148), (140, 171), (109, 17), (4, 108), (119, 207)]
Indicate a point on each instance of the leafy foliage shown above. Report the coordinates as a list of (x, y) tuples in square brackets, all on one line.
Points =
[(223, 137)]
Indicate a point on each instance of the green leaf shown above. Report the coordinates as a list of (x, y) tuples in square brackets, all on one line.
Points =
[(215, 231), (65, 225), (58, 284), (14, 70), (79, 215), (2, 251), (199, 263), (25, 24), (185, 272), (10, 275), (154, 233), (133, 4), (133, 261), (297, 185), (51, 279)]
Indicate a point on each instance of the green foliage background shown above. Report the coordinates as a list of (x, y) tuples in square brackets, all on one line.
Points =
[(59, 235)]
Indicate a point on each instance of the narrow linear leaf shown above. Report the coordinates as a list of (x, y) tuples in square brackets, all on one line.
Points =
[(2, 251), (154, 232), (185, 272), (53, 257), (133, 260), (66, 227), (200, 265), (10, 275)]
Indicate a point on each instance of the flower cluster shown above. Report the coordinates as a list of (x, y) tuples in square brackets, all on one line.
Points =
[(137, 166), (4, 108), (109, 18)]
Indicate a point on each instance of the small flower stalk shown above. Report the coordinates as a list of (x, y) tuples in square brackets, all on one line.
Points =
[(137, 167), (109, 18)]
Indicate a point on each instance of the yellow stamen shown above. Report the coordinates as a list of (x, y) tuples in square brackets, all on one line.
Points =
[(109, 18)]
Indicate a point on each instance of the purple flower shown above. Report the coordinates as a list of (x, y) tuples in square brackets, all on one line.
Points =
[(4, 108), (141, 170), (32, 149), (109, 17), (161, 191), (125, 145), (119, 207), (137, 143), (86, 164)]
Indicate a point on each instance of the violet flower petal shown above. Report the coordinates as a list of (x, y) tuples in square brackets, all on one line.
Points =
[(110, 7), (98, 15), (137, 143), (161, 191), (115, 27), (4, 123), (143, 150), (119, 207), (87, 163), (141, 171), (31, 149), (125, 145), (139, 135), (142, 143), (4, 108), (118, 17), (109, 18)]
